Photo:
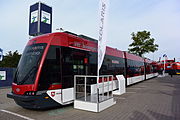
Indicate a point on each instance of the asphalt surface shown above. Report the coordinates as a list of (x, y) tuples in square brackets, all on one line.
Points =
[(154, 99)]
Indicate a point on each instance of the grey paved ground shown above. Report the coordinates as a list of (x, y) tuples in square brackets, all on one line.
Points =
[(154, 99)]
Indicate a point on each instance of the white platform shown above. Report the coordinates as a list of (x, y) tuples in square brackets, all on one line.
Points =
[(93, 97), (94, 107), (121, 85)]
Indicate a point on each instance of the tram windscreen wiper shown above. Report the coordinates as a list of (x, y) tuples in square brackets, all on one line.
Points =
[(31, 71)]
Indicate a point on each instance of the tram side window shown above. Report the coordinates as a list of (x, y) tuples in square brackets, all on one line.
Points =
[(113, 66), (142, 68), (122, 66), (130, 72), (92, 63), (50, 73), (154, 68), (134, 68), (106, 68), (148, 68)]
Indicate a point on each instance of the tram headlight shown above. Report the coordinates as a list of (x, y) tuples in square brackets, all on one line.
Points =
[(33, 93), (30, 93)]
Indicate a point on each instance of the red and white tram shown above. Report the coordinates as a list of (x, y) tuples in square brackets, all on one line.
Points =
[(45, 74)]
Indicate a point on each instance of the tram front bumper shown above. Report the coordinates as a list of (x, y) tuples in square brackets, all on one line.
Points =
[(33, 102)]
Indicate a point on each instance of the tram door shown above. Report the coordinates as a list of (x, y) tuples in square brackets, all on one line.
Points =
[(74, 63), (80, 67), (80, 63)]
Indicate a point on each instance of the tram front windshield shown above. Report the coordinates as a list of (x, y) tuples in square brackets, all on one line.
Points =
[(28, 65)]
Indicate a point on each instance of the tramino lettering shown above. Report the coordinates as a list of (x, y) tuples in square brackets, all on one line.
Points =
[(102, 21)]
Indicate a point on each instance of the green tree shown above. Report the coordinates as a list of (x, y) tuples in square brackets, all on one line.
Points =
[(11, 59), (142, 43)]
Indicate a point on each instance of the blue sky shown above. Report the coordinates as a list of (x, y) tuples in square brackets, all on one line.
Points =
[(160, 17)]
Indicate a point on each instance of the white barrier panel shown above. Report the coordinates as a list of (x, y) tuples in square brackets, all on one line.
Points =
[(106, 84), (148, 76), (132, 80), (155, 74), (121, 85), (94, 107), (92, 96)]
